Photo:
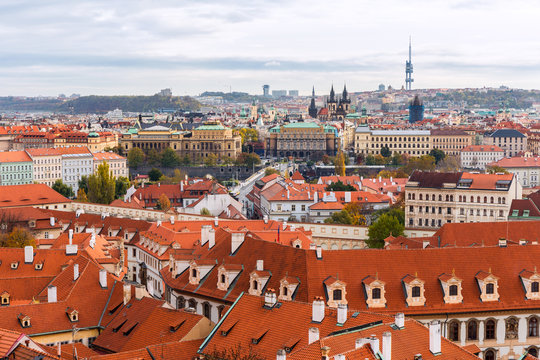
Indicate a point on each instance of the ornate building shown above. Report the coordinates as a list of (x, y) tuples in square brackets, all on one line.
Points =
[(210, 138), (312, 107), (337, 108)]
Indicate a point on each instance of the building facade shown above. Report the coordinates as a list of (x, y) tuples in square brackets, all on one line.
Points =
[(117, 164), (451, 141), (76, 163), (479, 156), (433, 199), (15, 168), (526, 169), (511, 141), (411, 142), (47, 164)]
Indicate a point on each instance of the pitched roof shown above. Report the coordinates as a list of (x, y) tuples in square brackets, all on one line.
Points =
[(14, 156), (29, 195), (518, 162), (482, 148)]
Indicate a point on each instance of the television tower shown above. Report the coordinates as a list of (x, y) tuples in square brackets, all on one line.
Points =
[(408, 70)]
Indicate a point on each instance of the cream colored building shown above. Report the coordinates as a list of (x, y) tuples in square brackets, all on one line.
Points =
[(117, 164), (433, 199), (412, 142), (47, 164), (451, 141)]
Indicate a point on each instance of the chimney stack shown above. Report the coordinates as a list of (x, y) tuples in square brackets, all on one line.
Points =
[(341, 314), (70, 232), (317, 315), (28, 254), (205, 232), (281, 355), (313, 335), (236, 240), (265, 219), (260, 265), (75, 272), (374, 342), (211, 238), (318, 250), (52, 220), (270, 298), (284, 225), (387, 345), (325, 353), (103, 278), (340, 357), (139, 291), (435, 337), (400, 320), (172, 219), (216, 221), (127, 293), (51, 294)]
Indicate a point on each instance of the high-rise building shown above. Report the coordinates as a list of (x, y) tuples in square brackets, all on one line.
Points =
[(416, 110), (382, 87), (293, 92), (409, 70), (279, 93), (266, 90)]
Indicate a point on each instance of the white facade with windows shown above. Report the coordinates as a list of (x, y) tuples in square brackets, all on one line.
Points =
[(75, 166)]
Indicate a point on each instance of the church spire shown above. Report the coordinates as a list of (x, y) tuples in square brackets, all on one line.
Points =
[(345, 94), (332, 94), (313, 92)]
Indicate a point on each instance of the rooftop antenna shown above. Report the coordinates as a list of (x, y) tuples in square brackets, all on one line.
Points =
[(409, 69)]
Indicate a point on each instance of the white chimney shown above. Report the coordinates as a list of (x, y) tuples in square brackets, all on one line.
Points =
[(270, 298), (139, 291), (380, 178), (317, 314), (51, 294), (52, 220), (158, 223), (284, 225), (172, 219), (70, 232), (236, 240), (400, 320), (359, 343), (159, 184), (75, 271), (127, 293), (313, 335), (260, 265), (435, 337), (387, 345), (341, 314), (319, 252), (93, 240), (347, 196), (59, 349), (281, 355), (181, 186), (374, 342), (315, 197), (265, 218), (340, 357), (103, 278), (28, 254), (205, 231), (216, 221), (71, 249), (211, 238)]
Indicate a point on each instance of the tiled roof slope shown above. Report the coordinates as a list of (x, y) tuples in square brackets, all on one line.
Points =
[(29, 195), (183, 350), (391, 266), (287, 326)]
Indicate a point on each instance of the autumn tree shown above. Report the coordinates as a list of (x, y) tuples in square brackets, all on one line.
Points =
[(101, 185), (385, 226), (423, 163), (248, 159), (496, 169), (248, 135), (352, 214), (163, 203), (211, 160), (449, 164), (205, 211), (339, 164), (135, 157), (270, 171), (178, 176), (19, 237), (63, 189), (81, 195)]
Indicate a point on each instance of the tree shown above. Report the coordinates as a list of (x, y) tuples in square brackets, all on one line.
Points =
[(154, 174), (175, 179), (352, 214), (169, 158), (385, 151), (83, 183), (494, 169), (63, 189), (398, 159), (245, 159), (339, 186), (19, 237), (339, 164), (135, 157), (248, 135), (449, 164), (339, 217), (270, 171), (424, 163), (370, 160), (385, 226), (326, 159), (153, 157), (81, 195), (205, 211), (227, 160), (438, 154), (381, 160), (101, 185), (211, 160), (163, 203), (396, 212), (186, 160), (121, 186)]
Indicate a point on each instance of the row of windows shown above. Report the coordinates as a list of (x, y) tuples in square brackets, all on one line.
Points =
[(461, 198), (490, 329), (16, 167)]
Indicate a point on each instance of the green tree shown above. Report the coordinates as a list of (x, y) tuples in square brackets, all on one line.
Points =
[(370, 160), (153, 157), (270, 171), (83, 183), (121, 186), (438, 154), (101, 185), (496, 169), (424, 163), (339, 186), (154, 174), (163, 203), (248, 135), (352, 214), (385, 226), (135, 157), (339, 164), (19, 237), (205, 211), (186, 160), (340, 217), (175, 179), (385, 151), (169, 158), (245, 159), (63, 189), (211, 160), (396, 212), (227, 160), (81, 195)]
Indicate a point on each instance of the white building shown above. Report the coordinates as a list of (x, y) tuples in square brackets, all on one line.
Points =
[(47, 164), (527, 169), (479, 156), (117, 164), (76, 163)]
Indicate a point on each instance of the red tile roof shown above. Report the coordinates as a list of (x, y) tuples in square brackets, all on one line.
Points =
[(29, 195), (518, 162), (14, 156), (482, 148)]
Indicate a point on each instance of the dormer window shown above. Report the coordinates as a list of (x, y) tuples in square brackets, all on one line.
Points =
[(414, 291), (257, 281), (14, 265), (375, 292), (336, 292), (488, 284), (38, 266), (451, 286), (287, 287), (531, 281), (194, 275), (226, 275), (24, 320), (4, 298), (72, 314)]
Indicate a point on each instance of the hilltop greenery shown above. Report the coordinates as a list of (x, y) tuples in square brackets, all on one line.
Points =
[(101, 104)]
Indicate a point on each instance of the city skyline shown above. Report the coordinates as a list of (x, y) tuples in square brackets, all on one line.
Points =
[(122, 48)]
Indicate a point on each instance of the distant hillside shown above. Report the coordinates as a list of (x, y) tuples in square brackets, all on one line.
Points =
[(12, 103), (102, 104)]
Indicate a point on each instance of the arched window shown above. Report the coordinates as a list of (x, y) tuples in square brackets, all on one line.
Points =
[(453, 331), (453, 290), (533, 326), (420, 197), (534, 287), (478, 199), (180, 302), (223, 278), (533, 351), (433, 197), (485, 199), (255, 285), (447, 198), (440, 197), (220, 309), (192, 303), (206, 310), (490, 329), (194, 273), (472, 199), (491, 200), (337, 294), (489, 355), (285, 291), (376, 293), (472, 330), (490, 288), (451, 197), (416, 291)]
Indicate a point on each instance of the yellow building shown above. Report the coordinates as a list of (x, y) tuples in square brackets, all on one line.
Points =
[(412, 142), (451, 141)]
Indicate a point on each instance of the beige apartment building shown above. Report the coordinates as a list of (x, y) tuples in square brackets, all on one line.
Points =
[(451, 141), (433, 199), (47, 164), (117, 164), (411, 142)]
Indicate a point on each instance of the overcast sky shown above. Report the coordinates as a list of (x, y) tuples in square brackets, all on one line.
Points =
[(141, 46)]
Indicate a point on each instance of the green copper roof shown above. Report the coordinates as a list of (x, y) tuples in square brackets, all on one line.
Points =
[(353, 116), (303, 125), (211, 127), (93, 134)]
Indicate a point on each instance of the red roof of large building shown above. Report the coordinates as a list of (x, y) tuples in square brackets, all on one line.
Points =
[(14, 156), (29, 195), (518, 162)]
